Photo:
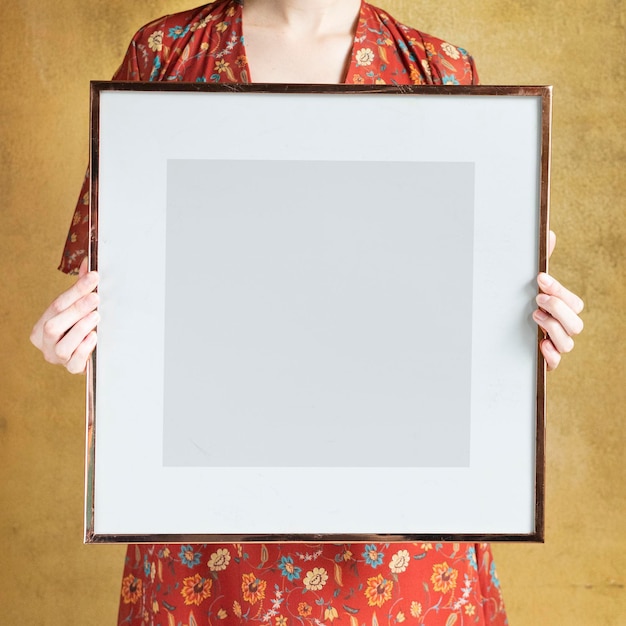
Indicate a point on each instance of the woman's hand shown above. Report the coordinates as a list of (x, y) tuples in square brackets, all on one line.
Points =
[(65, 333), (557, 315)]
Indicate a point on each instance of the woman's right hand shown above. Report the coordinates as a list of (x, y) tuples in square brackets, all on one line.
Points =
[(66, 333)]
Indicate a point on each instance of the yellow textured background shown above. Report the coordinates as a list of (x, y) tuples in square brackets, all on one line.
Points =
[(50, 51)]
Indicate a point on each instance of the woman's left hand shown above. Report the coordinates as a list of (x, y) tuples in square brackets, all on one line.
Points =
[(557, 315)]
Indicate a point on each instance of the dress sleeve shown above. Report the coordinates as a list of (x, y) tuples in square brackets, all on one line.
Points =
[(137, 59)]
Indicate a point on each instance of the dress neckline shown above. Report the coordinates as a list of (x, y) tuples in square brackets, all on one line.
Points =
[(350, 67)]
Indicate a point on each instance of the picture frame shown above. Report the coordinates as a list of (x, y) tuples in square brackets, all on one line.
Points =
[(316, 313)]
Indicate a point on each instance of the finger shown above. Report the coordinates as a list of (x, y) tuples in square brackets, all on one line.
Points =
[(67, 346), (553, 287), (551, 243), (571, 323), (84, 267), (556, 333), (78, 362), (57, 326), (84, 285), (550, 354)]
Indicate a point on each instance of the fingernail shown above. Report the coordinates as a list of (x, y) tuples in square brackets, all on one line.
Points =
[(545, 279)]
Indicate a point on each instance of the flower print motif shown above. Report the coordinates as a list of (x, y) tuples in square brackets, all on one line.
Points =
[(357, 79), (253, 588), (221, 66), (304, 609), (155, 41), (469, 609), (166, 553), (378, 590), (237, 608), (364, 56), (415, 76), (281, 620), (155, 607), (196, 589), (416, 609), (399, 562), (372, 556), (400, 617), (131, 589), (494, 576), (471, 557), (345, 555), (380, 81), (221, 27), (331, 613), (426, 68), (241, 61), (222, 614), (450, 50), (315, 579), (443, 577), (219, 560), (430, 49), (449, 79), (188, 557), (178, 31), (288, 568)]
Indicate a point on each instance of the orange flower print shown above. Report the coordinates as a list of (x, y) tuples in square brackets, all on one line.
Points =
[(378, 590), (469, 609), (430, 49), (131, 589), (357, 79), (237, 608), (196, 589), (253, 588), (304, 609), (443, 578)]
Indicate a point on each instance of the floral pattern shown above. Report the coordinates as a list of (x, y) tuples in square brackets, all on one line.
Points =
[(207, 44), (420, 584)]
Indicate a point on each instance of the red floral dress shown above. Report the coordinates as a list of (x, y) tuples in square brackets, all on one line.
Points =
[(207, 45), (295, 583)]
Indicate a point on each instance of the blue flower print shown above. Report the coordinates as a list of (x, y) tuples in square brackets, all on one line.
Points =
[(494, 577), (288, 568), (471, 557), (178, 31), (372, 556), (188, 557), (449, 79)]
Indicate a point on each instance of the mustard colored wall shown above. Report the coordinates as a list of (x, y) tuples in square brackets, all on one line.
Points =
[(49, 52)]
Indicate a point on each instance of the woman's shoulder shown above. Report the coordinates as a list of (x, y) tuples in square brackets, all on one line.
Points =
[(442, 61), (176, 25)]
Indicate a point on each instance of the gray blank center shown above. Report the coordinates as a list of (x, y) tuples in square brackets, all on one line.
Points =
[(327, 317)]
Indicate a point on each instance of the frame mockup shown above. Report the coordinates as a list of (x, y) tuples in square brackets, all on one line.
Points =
[(316, 313)]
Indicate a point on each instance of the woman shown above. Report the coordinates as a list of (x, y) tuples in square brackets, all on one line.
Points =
[(299, 41)]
